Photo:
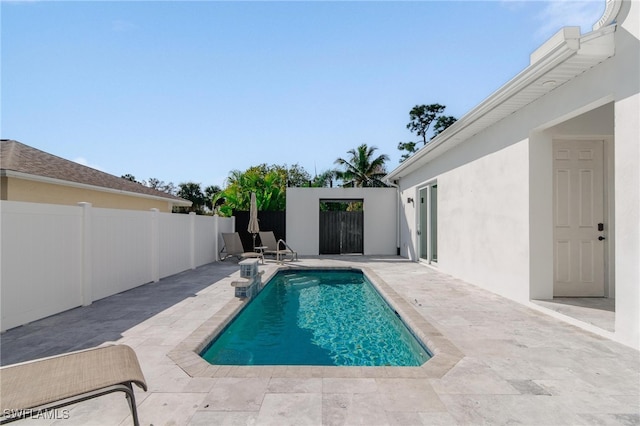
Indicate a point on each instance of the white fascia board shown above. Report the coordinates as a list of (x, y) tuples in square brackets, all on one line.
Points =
[(44, 179), (569, 36), (547, 59), (594, 44)]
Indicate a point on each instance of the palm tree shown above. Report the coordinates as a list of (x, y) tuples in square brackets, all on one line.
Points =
[(361, 169), (325, 179), (209, 193)]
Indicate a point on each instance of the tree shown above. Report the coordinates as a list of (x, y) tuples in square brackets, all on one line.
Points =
[(361, 169), (153, 183), (325, 179), (159, 185), (421, 117), (442, 123), (209, 192), (410, 147), (191, 191), (297, 176), (268, 182)]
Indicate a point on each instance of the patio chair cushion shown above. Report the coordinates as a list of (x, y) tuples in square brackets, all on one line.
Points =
[(49, 383), (279, 248), (233, 247)]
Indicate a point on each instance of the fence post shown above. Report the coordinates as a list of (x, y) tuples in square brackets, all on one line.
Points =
[(155, 246), (192, 240), (86, 274), (216, 221)]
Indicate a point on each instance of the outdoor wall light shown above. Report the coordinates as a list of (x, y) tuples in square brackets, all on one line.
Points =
[(409, 200)]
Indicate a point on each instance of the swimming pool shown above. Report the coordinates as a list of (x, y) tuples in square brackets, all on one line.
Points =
[(317, 317)]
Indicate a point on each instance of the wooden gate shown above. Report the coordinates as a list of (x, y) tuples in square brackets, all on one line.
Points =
[(341, 232)]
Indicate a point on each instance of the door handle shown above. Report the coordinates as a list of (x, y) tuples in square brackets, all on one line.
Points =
[(600, 238)]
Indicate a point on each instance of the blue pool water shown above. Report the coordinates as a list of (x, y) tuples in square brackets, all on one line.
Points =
[(318, 317)]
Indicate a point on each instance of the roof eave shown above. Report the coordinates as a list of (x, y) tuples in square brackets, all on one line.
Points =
[(45, 179), (560, 48)]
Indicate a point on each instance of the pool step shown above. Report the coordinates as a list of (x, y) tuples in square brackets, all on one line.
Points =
[(301, 281)]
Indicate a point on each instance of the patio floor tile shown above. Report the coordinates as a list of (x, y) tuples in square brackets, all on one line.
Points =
[(294, 409), (496, 361)]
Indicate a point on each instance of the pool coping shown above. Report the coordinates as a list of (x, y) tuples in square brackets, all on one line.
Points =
[(445, 355)]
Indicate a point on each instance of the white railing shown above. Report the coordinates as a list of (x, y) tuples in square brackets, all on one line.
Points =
[(54, 258)]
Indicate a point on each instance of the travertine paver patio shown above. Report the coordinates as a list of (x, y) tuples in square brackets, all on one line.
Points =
[(516, 365)]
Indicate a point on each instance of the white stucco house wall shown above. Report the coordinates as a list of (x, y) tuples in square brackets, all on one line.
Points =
[(379, 225), (535, 192)]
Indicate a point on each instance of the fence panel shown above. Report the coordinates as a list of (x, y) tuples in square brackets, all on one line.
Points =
[(40, 263), (120, 250), (174, 243), (352, 226), (275, 221), (205, 230), (329, 237), (54, 258), (341, 232), (224, 225)]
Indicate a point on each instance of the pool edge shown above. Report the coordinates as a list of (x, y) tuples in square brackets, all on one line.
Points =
[(444, 354)]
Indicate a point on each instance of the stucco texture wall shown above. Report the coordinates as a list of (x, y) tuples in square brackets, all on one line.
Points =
[(495, 207), (627, 176), (483, 222), (303, 218)]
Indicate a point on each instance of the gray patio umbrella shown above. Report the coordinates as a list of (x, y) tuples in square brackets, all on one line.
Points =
[(253, 227)]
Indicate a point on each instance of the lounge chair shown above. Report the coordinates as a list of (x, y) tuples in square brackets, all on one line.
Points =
[(35, 387), (278, 248), (233, 247)]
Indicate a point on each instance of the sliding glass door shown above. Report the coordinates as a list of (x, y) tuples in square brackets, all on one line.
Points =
[(428, 223)]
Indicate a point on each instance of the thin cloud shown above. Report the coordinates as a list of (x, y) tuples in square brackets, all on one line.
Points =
[(562, 13), (85, 162)]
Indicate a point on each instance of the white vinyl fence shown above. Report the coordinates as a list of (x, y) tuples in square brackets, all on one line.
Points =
[(54, 258)]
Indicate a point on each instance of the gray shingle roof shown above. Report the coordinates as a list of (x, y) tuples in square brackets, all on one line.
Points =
[(18, 157)]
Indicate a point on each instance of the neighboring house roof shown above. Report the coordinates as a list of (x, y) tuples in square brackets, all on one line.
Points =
[(562, 58), (22, 161)]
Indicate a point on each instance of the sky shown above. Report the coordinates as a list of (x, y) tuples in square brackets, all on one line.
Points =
[(189, 91)]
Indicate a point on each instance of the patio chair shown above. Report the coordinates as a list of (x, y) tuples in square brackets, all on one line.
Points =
[(278, 248), (233, 248), (35, 387)]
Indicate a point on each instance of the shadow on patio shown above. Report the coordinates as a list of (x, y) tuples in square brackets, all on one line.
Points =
[(597, 311), (105, 320)]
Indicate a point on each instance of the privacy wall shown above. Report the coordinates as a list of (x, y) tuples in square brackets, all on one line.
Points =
[(54, 258), (380, 217)]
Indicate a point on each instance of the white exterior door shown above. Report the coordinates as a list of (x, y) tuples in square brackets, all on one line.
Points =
[(578, 203)]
